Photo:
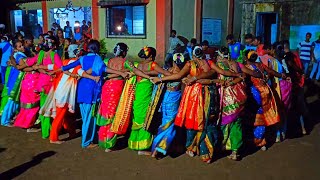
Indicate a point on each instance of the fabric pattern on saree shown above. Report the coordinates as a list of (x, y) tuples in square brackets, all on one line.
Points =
[(233, 98), (122, 117), (4, 93), (154, 105), (111, 93), (267, 114), (63, 92), (203, 142), (140, 139), (166, 131)]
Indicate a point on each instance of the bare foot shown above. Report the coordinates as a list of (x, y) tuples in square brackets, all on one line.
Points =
[(154, 154), (190, 153), (33, 130), (91, 146), (144, 153), (304, 132), (56, 142), (107, 150)]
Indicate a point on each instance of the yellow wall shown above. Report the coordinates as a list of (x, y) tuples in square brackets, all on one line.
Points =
[(135, 45)]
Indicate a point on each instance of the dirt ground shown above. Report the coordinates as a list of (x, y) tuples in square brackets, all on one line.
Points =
[(27, 156)]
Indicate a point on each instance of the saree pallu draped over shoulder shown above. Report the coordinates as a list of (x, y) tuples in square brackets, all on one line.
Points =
[(169, 109), (197, 106), (140, 139), (232, 103)]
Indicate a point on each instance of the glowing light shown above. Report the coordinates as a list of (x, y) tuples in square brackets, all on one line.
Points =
[(119, 28)]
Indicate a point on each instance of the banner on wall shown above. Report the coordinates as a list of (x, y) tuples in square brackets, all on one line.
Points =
[(298, 34), (211, 30)]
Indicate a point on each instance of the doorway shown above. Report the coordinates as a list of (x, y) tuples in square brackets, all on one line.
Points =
[(267, 27)]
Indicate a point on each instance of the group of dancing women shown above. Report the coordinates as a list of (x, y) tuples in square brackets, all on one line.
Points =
[(211, 102)]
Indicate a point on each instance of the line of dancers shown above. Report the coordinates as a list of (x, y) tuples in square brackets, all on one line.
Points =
[(213, 102)]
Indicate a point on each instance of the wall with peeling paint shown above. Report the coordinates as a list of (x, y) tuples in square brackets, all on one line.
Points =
[(291, 12)]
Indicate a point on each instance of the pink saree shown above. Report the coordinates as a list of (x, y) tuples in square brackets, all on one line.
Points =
[(29, 101)]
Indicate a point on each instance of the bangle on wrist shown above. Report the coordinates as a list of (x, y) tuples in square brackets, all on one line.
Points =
[(195, 78)]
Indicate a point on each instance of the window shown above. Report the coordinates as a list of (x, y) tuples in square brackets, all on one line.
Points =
[(27, 22), (126, 21), (75, 17)]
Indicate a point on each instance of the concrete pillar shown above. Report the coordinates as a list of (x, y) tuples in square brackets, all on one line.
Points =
[(197, 19), (163, 26), (44, 16), (95, 20), (230, 16)]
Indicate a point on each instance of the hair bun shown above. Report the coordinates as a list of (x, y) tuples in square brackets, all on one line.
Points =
[(197, 52)]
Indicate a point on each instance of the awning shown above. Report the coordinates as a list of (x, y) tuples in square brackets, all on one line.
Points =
[(26, 1), (105, 3)]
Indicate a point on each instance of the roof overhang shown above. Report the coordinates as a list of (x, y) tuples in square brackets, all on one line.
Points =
[(106, 3)]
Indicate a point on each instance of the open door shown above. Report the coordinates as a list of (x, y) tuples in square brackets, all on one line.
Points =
[(267, 27)]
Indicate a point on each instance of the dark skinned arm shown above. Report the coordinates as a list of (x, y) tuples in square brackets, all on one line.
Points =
[(235, 81), (248, 71), (223, 72), (174, 77), (272, 72), (210, 81), (27, 69), (161, 71), (151, 73)]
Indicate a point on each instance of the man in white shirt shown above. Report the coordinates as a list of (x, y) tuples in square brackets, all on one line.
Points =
[(305, 52), (173, 43)]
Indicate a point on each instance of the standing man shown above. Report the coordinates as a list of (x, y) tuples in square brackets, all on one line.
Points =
[(77, 31), (297, 77), (208, 53), (236, 49), (84, 27), (316, 57), (39, 31), (189, 50), (305, 52), (89, 31), (68, 31), (7, 49), (258, 43), (249, 42), (28, 46), (173, 43)]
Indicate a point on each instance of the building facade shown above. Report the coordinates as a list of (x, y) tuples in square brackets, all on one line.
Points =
[(145, 22), (280, 19)]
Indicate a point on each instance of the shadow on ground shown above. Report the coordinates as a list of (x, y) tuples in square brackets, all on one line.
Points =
[(18, 170)]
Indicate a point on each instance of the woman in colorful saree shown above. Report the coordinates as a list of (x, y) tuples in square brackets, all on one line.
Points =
[(50, 60), (197, 105), (37, 85), (169, 108), (88, 91), (12, 85), (113, 89), (232, 100), (140, 139), (62, 96), (265, 106)]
